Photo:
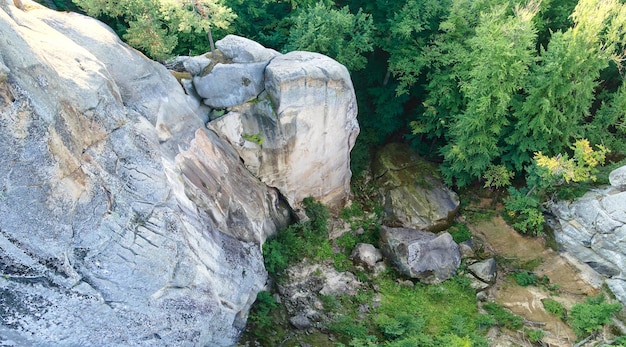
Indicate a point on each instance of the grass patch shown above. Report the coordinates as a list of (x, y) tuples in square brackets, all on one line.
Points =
[(460, 232)]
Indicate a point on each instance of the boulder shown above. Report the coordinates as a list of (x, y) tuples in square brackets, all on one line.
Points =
[(228, 85), (196, 65), (303, 124), (419, 254), (366, 255), (300, 321), (617, 178), (484, 270), (413, 195), (592, 229), (123, 221), (242, 50)]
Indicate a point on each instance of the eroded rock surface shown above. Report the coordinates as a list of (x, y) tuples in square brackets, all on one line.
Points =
[(413, 194), (291, 117), (419, 254), (123, 221), (593, 230)]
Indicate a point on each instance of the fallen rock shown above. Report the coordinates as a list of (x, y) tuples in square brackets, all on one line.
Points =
[(484, 270), (413, 195), (366, 255), (467, 249), (301, 322), (421, 254)]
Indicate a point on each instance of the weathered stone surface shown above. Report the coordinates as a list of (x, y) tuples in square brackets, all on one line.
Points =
[(300, 321), (366, 255), (195, 65), (421, 254), (467, 248), (122, 221), (228, 85), (592, 229), (304, 124), (484, 270), (617, 177), (413, 194), (242, 50)]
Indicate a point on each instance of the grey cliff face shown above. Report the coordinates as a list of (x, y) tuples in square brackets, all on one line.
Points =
[(593, 230), (123, 220)]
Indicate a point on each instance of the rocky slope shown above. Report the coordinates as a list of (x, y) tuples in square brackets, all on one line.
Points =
[(123, 220)]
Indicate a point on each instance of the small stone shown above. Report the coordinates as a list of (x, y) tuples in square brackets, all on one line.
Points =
[(300, 322), (484, 270), (366, 255), (467, 249)]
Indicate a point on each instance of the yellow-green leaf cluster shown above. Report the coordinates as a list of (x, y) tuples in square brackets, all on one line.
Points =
[(580, 168)]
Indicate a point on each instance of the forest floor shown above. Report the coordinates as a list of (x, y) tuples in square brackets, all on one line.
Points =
[(552, 276)]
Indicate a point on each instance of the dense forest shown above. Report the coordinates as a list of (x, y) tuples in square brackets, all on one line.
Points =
[(481, 86)]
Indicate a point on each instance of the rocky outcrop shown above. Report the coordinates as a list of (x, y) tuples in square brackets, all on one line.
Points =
[(413, 195), (592, 229), (419, 254), (290, 117), (123, 220)]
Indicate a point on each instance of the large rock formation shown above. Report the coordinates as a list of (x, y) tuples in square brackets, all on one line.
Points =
[(420, 254), (293, 125), (593, 230), (123, 220), (413, 195)]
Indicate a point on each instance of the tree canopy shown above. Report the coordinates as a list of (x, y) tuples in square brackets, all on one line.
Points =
[(474, 84)]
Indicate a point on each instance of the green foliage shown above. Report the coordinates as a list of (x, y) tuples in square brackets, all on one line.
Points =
[(580, 168), (524, 278), (305, 239), (554, 307), (402, 325), (500, 56), (153, 26), (534, 335), (503, 317), (527, 278), (590, 316), (523, 211), (337, 33), (460, 232), (261, 313), (256, 138), (497, 176)]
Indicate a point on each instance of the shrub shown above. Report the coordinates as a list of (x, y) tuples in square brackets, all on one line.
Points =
[(525, 279), (524, 212), (460, 232), (305, 239), (503, 317), (590, 316), (535, 335), (554, 307)]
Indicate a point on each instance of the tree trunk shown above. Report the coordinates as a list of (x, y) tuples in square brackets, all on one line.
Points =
[(211, 42)]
